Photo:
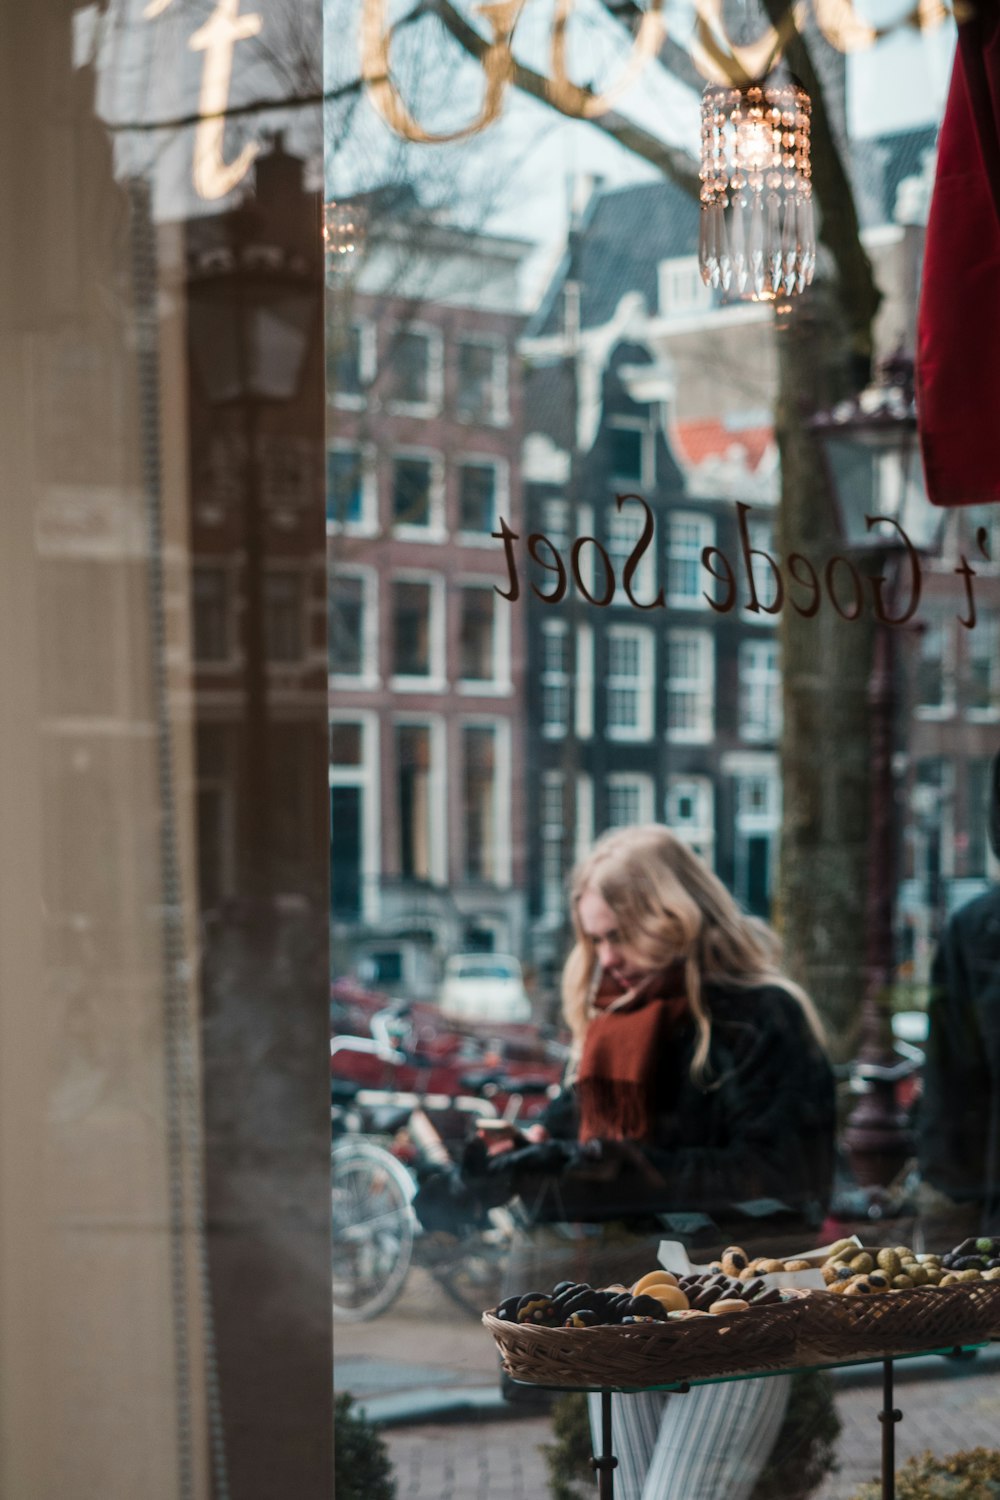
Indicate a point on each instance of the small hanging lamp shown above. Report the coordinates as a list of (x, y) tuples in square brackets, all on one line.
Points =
[(757, 239), (344, 228)]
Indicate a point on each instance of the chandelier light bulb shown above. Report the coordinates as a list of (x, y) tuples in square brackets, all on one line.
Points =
[(757, 239)]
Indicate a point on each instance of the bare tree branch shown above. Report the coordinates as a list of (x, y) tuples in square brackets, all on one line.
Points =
[(675, 163)]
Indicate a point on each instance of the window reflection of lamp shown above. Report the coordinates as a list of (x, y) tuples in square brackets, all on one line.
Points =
[(252, 309), (874, 469)]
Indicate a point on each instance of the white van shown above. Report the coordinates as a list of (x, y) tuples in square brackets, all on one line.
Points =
[(484, 987)]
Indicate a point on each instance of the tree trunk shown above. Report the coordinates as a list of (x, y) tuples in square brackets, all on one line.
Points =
[(820, 905)]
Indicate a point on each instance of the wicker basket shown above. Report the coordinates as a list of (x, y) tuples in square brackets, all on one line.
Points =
[(640, 1355), (850, 1327)]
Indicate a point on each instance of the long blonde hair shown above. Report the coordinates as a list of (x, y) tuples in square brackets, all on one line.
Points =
[(670, 906)]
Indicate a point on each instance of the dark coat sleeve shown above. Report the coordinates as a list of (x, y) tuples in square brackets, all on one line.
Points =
[(955, 1116)]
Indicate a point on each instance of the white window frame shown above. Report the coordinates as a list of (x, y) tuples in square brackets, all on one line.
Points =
[(947, 708), (669, 273), (556, 522), (369, 675), (435, 530), (368, 523), (499, 415), (367, 367), (548, 729), (437, 839), (702, 687), (503, 853), (699, 832), (583, 714), (436, 681), (365, 776), (706, 529), (980, 636), (435, 369), (500, 684), (622, 530), (647, 458), (632, 781), (551, 837), (642, 684), (501, 495), (759, 684)]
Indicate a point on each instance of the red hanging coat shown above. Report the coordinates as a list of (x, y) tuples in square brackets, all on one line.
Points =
[(958, 328)]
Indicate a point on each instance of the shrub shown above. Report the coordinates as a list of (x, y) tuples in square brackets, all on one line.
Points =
[(361, 1466), (568, 1458), (961, 1476)]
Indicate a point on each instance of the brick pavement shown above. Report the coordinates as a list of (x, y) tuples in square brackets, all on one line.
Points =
[(500, 1460)]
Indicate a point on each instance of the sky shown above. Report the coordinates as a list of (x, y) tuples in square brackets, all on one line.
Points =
[(515, 177)]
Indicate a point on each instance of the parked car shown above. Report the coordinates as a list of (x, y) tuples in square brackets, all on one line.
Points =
[(484, 987)]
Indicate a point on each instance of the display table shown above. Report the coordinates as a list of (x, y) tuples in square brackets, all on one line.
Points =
[(605, 1462)]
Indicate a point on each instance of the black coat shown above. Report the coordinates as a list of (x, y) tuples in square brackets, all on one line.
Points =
[(959, 1133), (753, 1141)]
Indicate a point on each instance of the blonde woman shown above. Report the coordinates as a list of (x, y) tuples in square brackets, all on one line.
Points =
[(699, 1097)]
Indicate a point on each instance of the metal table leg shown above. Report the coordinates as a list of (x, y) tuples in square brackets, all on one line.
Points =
[(888, 1416), (606, 1463)]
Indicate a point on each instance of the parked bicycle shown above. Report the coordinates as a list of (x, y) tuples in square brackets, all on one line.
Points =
[(386, 1144)]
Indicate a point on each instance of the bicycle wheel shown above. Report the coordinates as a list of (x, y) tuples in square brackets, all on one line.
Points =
[(373, 1229)]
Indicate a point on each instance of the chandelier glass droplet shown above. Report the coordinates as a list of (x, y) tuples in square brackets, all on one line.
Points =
[(758, 238), (344, 227)]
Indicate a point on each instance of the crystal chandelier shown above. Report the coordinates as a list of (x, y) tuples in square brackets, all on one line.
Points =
[(344, 226), (757, 239)]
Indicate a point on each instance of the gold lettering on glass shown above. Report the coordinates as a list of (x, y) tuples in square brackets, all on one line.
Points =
[(572, 100), (214, 177), (497, 63)]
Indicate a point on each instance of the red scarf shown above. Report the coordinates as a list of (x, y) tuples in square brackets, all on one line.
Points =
[(621, 1057)]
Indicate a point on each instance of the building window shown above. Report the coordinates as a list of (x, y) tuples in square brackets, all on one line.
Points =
[(353, 831), (344, 486), (629, 683), (760, 691), (977, 798), (624, 528), (935, 682), (350, 365), (284, 616), (412, 479), (211, 614), (478, 634), (983, 666), (350, 620), (412, 606), (554, 515), (761, 534), (687, 536), (691, 813), (479, 790), (552, 835), (478, 497), (555, 678), (413, 771), (482, 382), (414, 357), (682, 290), (690, 686), (629, 800), (631, 454)]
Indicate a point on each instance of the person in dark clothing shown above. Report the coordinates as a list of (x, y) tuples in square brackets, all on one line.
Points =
[(959, 1125), (698, 1094)]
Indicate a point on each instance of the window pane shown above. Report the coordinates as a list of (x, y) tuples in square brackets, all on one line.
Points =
[(477, 492), (477, 397), (479, 755), (413, 761), (284, 624), (344, 485), (478, 662), (344, 363), (411, 626), (411, 491), (410, 358), (346, 625), (210, 604), (626, 453)]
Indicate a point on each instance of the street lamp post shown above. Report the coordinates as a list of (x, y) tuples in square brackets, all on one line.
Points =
[(873, 464)]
